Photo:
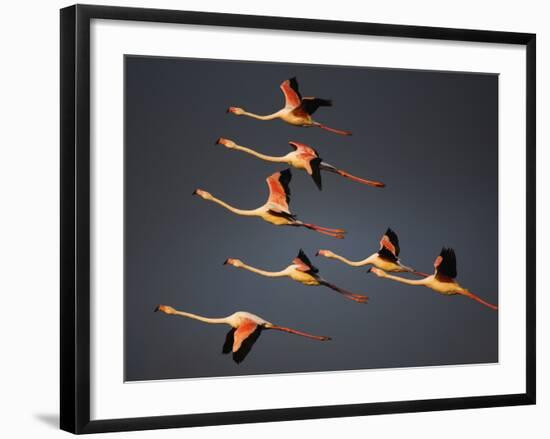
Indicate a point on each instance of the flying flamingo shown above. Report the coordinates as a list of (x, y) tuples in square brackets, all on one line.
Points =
[(303, 157), (442, 281), (245, 329), (297, 110), (301, 270), (275, 210), (386, 258)]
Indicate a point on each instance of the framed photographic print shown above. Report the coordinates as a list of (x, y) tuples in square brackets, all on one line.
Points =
[(257, 209)]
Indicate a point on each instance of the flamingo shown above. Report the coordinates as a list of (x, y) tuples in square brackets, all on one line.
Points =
[(275, 210), (297, 110), (302, 157), (442, 281), (301, 270), (245, 329), (386, 258)]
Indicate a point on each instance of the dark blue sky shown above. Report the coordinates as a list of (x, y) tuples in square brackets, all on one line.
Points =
[(432, 137)]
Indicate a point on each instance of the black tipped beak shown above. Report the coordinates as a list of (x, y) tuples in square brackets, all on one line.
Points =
[(157, 308), (194, 192), (317, 254), (369, 270), (226, 262), (217, 142), (228, 111)]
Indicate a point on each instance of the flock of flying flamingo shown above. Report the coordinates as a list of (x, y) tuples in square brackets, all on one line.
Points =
[(246, 327)]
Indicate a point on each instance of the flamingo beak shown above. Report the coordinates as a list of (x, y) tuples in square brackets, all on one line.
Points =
[(218, 141), (226, 262), (194, 192), (317, 254), (369, 270)]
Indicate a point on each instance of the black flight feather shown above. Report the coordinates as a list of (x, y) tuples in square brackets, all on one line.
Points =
[(303, 257), (288, 216), (384, 253), (392, 236), (228, 344), (284, 179), (294, 85), (447, 267), (310, 105), (316, 171)]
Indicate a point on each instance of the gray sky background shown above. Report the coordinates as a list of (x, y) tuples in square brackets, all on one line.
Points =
[(432, 137)]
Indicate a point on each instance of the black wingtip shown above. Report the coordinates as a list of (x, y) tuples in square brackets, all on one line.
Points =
[(286, 172)]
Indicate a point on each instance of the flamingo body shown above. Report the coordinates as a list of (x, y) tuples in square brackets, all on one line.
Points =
[(297, 111), (301, 270), (442, 281), (276, 210), (302, 157), (245, 329), (386, 258)]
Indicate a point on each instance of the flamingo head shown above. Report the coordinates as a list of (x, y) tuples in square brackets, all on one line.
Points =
[(236, 111), (235, 262), (165, 309), (325, 253), (203, 194), (226, 142)]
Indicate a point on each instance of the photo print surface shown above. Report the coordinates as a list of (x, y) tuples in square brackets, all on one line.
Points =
[(286, 218)]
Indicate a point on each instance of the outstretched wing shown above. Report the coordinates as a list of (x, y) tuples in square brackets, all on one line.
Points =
[(311, 160), (315, 165), (279, 190), (302, 148), (244, 330), (289, 88), (304, 264), (312, 104), (389, 245), (445, 263), (246, 346), (228, 344)]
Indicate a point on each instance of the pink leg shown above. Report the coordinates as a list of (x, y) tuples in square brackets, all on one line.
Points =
[(335, 234), (334, 130), (480, 300), (360, 180), (294, 331)]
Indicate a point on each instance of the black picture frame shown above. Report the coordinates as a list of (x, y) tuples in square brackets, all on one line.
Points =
[(75, 217)]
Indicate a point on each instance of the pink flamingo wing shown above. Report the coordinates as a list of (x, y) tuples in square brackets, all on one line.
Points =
[(292, 98), (301, 265), (277, 193), (386, 243), (244, 331), (302, 148)]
